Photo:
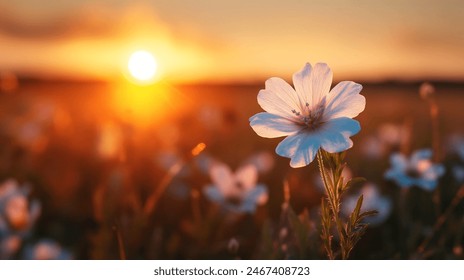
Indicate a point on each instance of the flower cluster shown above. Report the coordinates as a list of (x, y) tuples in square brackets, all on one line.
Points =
[(418, 170)]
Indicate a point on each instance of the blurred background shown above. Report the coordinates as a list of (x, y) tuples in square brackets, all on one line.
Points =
[(112, 114)]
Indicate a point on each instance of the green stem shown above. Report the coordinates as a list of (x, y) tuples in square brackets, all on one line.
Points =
[(334, 202)]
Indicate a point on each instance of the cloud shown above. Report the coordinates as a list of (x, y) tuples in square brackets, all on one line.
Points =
[(86, 21)]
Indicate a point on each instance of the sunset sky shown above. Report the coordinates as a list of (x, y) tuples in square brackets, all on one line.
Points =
[(224, 41)]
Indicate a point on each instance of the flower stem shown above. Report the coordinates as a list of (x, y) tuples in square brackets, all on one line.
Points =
[(441, 220), (333, 198), (121, 247)]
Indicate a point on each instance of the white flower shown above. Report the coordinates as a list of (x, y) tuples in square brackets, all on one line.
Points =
[(237, 192), (46, 250), (17, 213), (372, 200), (311, 115), (418, 171), (9, 246)]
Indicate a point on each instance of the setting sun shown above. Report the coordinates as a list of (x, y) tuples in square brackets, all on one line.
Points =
[(142, 66)]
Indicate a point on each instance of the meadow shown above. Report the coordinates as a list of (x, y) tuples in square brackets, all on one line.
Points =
[(115, 171)]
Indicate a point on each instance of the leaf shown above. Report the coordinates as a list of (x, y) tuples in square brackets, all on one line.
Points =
[(354, 216), (353, 181), (367, 214)]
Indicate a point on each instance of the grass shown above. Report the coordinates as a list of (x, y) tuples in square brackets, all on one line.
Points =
[(92, 202)]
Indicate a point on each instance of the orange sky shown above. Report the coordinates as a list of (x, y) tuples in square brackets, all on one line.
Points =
[(235, 40)]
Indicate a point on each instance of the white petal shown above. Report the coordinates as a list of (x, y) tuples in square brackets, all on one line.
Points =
[(335, 134), (321, 80), (399, 162), (279, 98), (427, 185), (256, 196), (302, 83), (301, 148), (222, 177), (344, 100), (247, 175), (434, 172), (270, 126), (424, 154)]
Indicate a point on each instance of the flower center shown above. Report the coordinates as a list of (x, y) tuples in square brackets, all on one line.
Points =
[(235, 197), (413, 173), (311, 117), (417, 170)]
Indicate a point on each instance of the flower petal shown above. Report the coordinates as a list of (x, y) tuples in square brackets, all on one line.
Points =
[(434, 172), (256, 196), (271, 126), (335, 134), (247, 175), (222, 178), (399, 162), (321, 80), (420, 155), (425, 184), (303, 86), (344, 100), (301, 148), (279, 98)]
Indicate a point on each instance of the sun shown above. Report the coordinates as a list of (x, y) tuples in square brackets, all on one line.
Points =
[(142, 66)]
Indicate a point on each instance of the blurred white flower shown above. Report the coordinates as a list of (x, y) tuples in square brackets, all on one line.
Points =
[(233, 245), (9, 246), (419, 170), (263, 161), (372, 147), (372, 200), (392, 134), (237, 192), (311, 116), (426, 90), (17, 213), (31, 128), (46, 250)]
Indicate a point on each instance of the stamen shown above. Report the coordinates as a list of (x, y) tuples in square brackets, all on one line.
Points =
[(311, 118), (296, 113)]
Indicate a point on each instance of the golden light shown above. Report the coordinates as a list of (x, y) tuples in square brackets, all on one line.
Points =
[(142, 66), (198, 149), (142, 105)]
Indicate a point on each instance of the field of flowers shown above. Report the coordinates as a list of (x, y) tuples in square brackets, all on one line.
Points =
[(98, 171)]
